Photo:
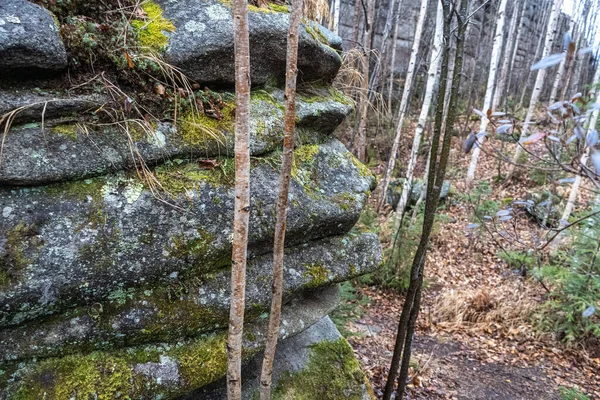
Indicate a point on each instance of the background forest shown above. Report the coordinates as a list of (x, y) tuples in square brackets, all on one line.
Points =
[(512, 277)]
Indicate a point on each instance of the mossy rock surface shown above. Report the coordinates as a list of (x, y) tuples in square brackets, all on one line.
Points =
[(70, 153), (105, 235), (189, 307), (204, 33), (313, 365), (157, 371)]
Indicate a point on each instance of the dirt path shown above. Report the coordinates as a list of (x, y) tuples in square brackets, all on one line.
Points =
[(453, 373)]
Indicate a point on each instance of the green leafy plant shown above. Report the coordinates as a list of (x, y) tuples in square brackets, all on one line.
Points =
[(521, 260), (572, 394), (350, 308), (573, 279)]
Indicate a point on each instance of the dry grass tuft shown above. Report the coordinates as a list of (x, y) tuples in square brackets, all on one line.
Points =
[(508, 306)]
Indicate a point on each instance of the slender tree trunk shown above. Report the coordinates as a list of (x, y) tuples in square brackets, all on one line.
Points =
[(434, 64), (581, 42), (489, 93), (584, 158), (436, 180), (356, 24), (405, 98), (242, 199), (282, 201), (393, 60), (361, 136), (515, 50), (537, 54), (437, 171), (501, 85), (562, 68), (539, 81), (403, 322), (335, 16), (385, 43)]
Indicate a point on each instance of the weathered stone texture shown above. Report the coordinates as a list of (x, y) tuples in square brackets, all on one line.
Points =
[(116, 229), (29, 40)]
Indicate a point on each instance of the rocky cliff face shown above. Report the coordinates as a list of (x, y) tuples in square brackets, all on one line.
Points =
[(116, 194)]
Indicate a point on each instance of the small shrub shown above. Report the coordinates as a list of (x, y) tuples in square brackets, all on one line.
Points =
[(572, 394), (574, 281), (523, 261), (350, 308)]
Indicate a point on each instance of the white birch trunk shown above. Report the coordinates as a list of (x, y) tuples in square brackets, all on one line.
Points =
[(499, 92), (539, 81), (434, 64), (335, 22), (405, 96), (513, 57), (575, 188), (560, 74), (489, 92), (361, 137), (393, 59)]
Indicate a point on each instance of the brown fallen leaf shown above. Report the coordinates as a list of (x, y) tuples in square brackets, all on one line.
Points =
[(208, 163)]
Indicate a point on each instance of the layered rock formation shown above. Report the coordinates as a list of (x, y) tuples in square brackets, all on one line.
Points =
[(116, 195)]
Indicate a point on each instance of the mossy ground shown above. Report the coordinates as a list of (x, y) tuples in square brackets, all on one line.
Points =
[(333, 373)]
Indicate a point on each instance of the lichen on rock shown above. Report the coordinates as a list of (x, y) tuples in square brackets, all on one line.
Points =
[(117, 196)]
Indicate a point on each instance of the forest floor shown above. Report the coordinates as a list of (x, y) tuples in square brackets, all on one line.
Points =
[(476, 336)]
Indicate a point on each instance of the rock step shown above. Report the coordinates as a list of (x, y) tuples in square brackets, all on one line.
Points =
[(204, 33), (159, 370), (75, 243), (189, 308), (62, 151)]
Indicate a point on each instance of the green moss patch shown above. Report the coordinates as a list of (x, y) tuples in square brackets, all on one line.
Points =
[(333, 373), (316, 34), (68, 130), (22, 243), (362, 168), (151, 32), (177, 177), (200, 130), (317, 274), (83, 377)]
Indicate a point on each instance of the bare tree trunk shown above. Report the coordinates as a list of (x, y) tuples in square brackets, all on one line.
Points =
[(537, 54), (361, 136), (434, 64), (581, 42), (404, 102), (380, 73), (282, 201), (335, 16), (513, 57), (562, 68), (575, 188), (393, 60), (242, 199), (357, 12), (489, 93), (501, 86), (437, 171), (539, 81)]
